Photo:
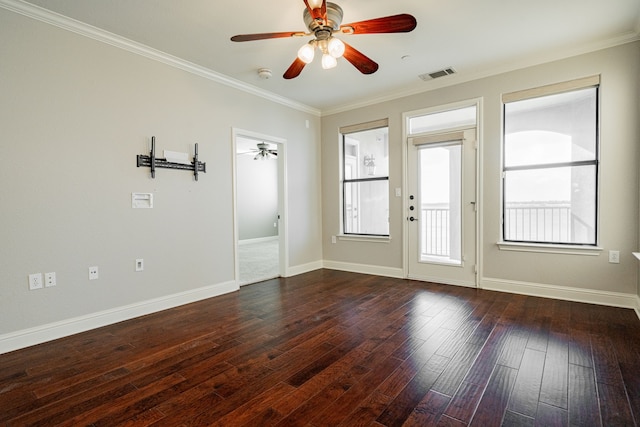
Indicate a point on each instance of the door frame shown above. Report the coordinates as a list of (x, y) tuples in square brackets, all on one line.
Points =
[(478, 102), (283, 205)]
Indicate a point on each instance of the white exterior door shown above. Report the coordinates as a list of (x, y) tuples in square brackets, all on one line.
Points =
[(441, 210)]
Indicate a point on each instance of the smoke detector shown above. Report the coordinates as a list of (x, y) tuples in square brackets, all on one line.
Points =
[(264, 73)]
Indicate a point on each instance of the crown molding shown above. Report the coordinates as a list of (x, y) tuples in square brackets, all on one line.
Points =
[(464, 77), (86, 30)]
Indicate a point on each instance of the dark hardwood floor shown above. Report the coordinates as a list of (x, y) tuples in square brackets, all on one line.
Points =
[(331, 348)]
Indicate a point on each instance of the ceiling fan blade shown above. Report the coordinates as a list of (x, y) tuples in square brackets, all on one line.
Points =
[(264, 36), (402, 23), (359, 60), (294, 69)]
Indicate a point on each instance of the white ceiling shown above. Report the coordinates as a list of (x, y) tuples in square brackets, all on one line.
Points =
[(477, 38)]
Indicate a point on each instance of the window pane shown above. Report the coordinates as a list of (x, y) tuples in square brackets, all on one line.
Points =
[(551, 129), (440, 220), (556, 205), (366, 154), (366, 207), (443, 120)]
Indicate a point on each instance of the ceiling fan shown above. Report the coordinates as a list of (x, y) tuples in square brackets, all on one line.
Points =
[(323, 19), (263, 152)]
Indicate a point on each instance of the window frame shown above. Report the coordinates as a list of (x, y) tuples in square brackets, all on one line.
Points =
[(553, 246), (344, 133)]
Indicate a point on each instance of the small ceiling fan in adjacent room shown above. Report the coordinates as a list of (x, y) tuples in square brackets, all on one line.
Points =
[(324, 19), (263, 151)]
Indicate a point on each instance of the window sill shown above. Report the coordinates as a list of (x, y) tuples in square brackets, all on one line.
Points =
[(550, 249), (358, 238)]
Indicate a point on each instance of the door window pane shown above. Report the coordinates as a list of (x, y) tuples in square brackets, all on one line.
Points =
[(440, 220)]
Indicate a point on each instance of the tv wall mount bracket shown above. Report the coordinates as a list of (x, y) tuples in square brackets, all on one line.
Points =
[(154, 162)]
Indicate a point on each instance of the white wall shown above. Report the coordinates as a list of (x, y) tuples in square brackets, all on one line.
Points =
[(74, 113), (257, 197), (576, 275)]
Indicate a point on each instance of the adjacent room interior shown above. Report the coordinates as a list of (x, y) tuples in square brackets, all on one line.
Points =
[(436, 220)]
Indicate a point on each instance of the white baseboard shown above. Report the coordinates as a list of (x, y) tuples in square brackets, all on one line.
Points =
[(591, 296), (364, 269), (303, 268), (257, 240), (28, 337)]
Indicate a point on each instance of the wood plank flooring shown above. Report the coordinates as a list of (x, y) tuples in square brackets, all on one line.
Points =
[(330, 348)]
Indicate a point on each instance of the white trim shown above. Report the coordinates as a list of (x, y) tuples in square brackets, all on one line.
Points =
[(456, 79), (407, 138), (364, 269), (550, 248), (83, 29), (257, 240), (283, 200), (591, 296), (39, 334), (87, 30), (363, 238), (303, 268)]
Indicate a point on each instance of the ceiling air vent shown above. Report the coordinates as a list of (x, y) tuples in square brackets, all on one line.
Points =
[(437, 74)]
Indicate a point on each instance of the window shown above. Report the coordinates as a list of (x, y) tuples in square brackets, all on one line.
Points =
[(443, 120), (365, 183), (550, 165)]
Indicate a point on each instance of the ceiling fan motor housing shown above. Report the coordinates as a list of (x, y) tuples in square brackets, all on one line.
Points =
[(334, 19)]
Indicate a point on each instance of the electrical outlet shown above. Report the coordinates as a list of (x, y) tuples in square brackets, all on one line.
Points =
[(333, 239), (50, 279), (614, 257), (93, 273), (139, 264), (35, 281)]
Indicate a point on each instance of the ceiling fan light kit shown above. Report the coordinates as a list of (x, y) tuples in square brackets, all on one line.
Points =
[(323, 19), (307, 52)]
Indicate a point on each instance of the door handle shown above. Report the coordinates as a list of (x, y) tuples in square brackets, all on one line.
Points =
[(412, 219)]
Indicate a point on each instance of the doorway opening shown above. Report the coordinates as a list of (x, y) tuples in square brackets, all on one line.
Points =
[(260, 208)]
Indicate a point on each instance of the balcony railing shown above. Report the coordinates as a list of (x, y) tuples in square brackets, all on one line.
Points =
[(541, 222), (435, 235), (528, 222)]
